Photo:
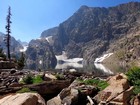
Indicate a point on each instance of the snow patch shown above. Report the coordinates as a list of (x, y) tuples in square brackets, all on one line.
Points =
[(61, 57), (24, 49), (49, 38), (101, 59), (68, 62)]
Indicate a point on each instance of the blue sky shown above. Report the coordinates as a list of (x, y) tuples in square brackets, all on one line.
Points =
[(31, 17)]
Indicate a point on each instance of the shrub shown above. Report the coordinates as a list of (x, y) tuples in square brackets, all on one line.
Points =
[(37, 79), (134, 78), (96, 82), (23, 90), (28, 79)]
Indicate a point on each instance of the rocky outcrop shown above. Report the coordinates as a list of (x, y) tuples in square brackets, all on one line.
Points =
[(39, 55), (75, 94), (23, 99), (118, 92)]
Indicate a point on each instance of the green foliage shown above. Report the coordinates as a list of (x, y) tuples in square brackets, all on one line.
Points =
[(29, 79), (96, 82), (37, 79), (23, 90), (134, 78), (8, 30)]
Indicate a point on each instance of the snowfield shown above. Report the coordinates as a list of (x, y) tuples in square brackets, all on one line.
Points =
[(24, 49), (101, 59)]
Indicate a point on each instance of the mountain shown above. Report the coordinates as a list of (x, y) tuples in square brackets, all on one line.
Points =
[(92, 31), (15, 46), (22, 43)]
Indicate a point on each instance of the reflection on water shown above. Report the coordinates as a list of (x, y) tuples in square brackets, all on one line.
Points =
[(97, 69), (68, 64), (103, 68)]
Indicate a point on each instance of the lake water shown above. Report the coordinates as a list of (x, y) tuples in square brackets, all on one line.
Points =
[(97, 67)]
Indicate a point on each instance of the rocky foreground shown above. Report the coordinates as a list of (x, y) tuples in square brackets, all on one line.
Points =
[(67, 88)]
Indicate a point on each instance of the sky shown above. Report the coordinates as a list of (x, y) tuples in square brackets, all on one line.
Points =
[(31, 17)]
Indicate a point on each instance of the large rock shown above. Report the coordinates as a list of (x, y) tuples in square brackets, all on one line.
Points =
[(119, 90), (67, 96), (135, 100), (75, 94), (50, 87), (23, 99)]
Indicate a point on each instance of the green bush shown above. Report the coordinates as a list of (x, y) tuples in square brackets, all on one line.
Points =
[(30, 79), (96, 82), (134, 78), (37, 79), (23, 90)]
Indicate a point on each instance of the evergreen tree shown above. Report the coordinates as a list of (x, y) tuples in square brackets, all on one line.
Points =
[(21, 61), (8, 30)]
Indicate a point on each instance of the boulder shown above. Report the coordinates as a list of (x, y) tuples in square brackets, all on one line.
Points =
[(55, 101), (118, 91), (23, 99), (50, 87), (136, 100), (67, 96), (49, 76)]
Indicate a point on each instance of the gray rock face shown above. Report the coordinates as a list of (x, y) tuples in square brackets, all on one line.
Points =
[(40, 55), (91, 31)]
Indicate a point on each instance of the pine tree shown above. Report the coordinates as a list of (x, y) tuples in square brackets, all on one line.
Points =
[(8, 30), (21, 61)]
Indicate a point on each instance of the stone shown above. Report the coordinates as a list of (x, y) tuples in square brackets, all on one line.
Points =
[(124, 97), (23, 99), (67, 96), (50, 87), (116, 91), (54, 101), (49, 76), (136, 100)]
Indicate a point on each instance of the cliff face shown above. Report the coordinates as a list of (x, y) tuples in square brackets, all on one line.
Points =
[(39, 55), (91, 31)]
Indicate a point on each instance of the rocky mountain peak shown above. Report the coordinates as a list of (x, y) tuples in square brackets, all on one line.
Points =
[(49, 32)]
